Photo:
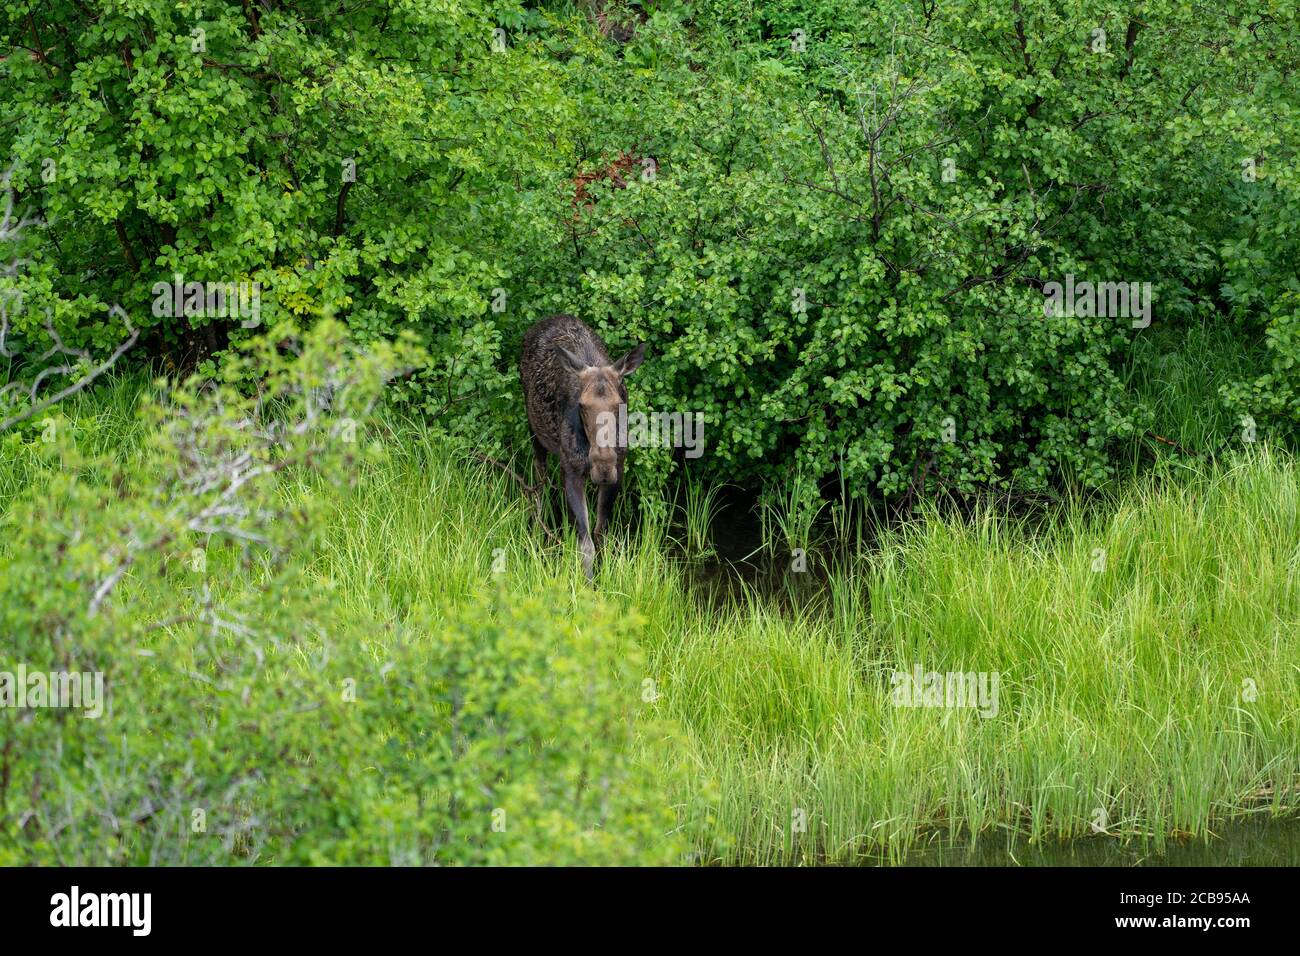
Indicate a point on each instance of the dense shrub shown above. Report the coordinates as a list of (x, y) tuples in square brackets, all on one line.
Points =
[(914, 175), (246, 716)]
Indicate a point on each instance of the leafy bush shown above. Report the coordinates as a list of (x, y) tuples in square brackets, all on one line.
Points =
[(911, 177), (246, 717)]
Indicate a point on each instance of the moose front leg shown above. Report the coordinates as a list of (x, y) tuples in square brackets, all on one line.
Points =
[(575, 491), (539, 466), (604, 510)]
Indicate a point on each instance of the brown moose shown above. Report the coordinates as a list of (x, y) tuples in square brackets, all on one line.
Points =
[(573, 394)]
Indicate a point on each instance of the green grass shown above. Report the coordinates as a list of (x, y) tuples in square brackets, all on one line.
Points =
[(1177, 374), (1121, 688), (1145, 645)]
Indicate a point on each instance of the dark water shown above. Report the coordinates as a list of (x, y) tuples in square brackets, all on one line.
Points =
[(1255, 841), (740, 563)]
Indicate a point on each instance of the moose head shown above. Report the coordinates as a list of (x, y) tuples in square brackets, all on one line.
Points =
[(600, 393)]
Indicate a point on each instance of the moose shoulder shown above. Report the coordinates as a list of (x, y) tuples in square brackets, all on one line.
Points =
[(573, 392)]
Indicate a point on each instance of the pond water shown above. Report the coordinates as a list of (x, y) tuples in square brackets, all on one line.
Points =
[(1254, 841)]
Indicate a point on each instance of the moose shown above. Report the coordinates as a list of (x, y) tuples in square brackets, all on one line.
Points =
[(573, 393)]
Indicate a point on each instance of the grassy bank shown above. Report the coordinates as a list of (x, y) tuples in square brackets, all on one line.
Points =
[(1144, 646), (1149, 671)]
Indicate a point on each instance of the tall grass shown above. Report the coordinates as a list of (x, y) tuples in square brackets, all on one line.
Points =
[(1149, 669), (1146, 653), (699, 507), (1177, 373)]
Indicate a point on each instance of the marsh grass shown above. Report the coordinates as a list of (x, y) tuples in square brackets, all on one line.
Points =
[(1145, 696), (698, 506), (1177, 374), (1146, 648), (788, 515)]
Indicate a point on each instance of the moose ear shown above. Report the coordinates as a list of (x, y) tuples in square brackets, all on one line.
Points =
[(569, 359), (630, 362)]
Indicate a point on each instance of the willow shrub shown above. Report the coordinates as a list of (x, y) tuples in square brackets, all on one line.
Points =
[(834, 240), (244, 718)]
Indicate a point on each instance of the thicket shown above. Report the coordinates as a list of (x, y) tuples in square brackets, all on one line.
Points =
[(831, 222), (243, 713)]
